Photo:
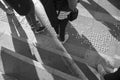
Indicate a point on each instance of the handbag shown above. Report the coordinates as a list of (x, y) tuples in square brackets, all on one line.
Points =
[(73, 15)]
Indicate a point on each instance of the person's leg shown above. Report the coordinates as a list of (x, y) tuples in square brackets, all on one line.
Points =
[(63, 24), (51, 13), (31, 18)]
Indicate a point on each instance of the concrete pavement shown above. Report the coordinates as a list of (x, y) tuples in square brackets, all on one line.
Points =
[(99, 22)]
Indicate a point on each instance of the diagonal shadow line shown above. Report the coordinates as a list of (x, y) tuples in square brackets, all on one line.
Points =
[(54, 60), (29, 66), (45, 55), (50, 58), (25, 50), (21, 70), (115, 3), (19, 45), (101, 15), (12, 26)]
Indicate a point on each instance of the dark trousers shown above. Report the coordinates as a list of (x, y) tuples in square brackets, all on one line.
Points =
[(61, 28), (58, 25), (31, 18), (51, 13)]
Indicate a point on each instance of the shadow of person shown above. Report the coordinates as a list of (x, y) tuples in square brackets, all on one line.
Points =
[(19, 37), (21, 46), (115, 3), (101, 15), (51, 53), (48, 58)]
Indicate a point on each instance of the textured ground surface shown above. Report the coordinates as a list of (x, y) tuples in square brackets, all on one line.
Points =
[(96, 29)]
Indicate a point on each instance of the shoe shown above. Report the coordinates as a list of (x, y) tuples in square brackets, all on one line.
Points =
[(66, 38), (40, 29)]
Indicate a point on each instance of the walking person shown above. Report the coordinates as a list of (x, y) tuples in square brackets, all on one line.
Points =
[(26, 8), (64, 9), (58, 12)]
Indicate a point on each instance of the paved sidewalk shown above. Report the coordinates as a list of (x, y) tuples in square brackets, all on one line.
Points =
[(17, 42), (99, 22), (90, 36)]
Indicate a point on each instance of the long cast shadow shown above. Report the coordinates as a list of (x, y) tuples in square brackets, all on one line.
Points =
[(56, 61), (103, 16), (17, 32), (21, 47), (51, 59)]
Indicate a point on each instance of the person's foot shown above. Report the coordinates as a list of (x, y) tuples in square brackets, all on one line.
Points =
[(66, 38), (39, 29)]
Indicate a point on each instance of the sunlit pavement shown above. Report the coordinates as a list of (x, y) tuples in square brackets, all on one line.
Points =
[(99, 21), (96, 20)]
